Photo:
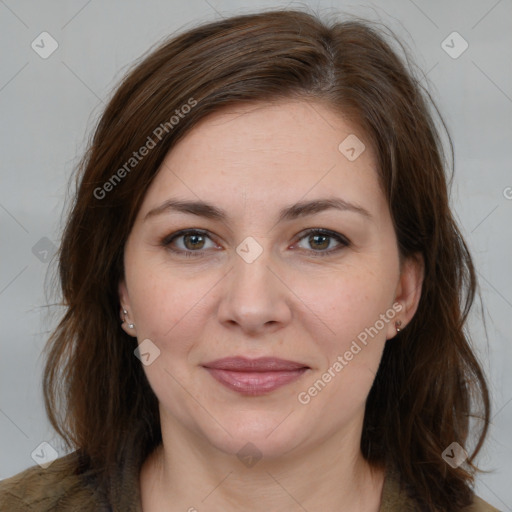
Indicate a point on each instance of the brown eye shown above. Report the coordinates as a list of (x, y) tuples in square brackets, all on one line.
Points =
[(319, 241), (189, 242), (324, 242), (193, 241)]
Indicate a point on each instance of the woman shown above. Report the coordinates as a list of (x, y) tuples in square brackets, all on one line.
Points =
[(266, 290)]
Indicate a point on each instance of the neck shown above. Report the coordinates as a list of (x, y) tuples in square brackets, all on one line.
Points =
[(187, 473)]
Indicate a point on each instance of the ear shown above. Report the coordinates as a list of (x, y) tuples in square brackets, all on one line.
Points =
[(124, 300), (408, 291)]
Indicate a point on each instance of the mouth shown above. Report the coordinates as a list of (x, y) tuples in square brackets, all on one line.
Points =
[(255, 376)]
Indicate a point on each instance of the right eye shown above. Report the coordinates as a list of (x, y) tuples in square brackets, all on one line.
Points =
[(192, 242)]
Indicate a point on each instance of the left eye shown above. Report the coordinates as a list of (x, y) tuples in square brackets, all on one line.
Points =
[(320, 240)]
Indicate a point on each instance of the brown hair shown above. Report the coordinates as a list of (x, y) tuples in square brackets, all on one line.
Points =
[(429, 379)]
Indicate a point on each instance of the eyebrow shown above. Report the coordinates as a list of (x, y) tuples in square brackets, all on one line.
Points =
[(300, 209)]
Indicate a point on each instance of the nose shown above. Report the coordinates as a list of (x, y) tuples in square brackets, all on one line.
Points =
[(254, 297)]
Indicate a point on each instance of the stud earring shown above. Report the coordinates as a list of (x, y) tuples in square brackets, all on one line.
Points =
[(130, 326), (398, 323)]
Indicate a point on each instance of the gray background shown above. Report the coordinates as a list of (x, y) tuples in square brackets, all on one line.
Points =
[(49, 107)]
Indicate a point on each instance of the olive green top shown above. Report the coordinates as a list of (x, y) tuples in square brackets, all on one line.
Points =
[(59, 487)]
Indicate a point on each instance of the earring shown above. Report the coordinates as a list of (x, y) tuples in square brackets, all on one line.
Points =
[(130, 326), (398, 323)]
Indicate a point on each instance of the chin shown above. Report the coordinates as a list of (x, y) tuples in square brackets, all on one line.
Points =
[(257, 436)]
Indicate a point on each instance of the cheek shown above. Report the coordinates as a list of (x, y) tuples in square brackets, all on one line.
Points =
[(167, 314), (164, 309), (350, 300), (357, 310), (170, 308)]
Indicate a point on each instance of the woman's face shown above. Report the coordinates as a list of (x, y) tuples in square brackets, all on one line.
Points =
[(233, 271)]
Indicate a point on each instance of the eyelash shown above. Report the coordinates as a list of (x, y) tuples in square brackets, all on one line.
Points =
[(166, 242)]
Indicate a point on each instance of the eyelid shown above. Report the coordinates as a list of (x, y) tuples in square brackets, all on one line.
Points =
[(342, 240), (166, 241)]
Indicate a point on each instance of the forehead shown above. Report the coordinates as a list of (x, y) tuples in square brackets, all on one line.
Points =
[(277, 152)]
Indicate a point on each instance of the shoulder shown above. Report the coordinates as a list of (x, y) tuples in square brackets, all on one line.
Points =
[(58, 487), (395, 497), (479, 505)]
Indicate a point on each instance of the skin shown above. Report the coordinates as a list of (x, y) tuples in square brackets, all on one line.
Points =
[(290, 303)]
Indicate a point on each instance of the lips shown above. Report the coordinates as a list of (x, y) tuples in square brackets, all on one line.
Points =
[(262, 364), (255, 376)]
